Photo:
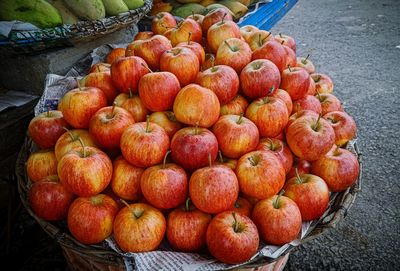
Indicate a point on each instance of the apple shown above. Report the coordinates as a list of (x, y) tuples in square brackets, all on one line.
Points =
[(232, 238), (236, 106), (286, 40), (182, 62), (344, 126), (143, 35), (187, 228), (49, 199), (215, 16), (269, 114), (310, 138), (246, 31), (230, 163), (139, 227), (103, 81), (260, 174), (126, 73), (125, 181), (195, 47), (280, 149), (167, 121), (144, 144), (273, 51), (291, 60), (258, 78), (310, 193), (115, 54), (305, 63), (197, 106), (198, 18), (209, 61), (339, 168), (296, 82), (164, 186), (133, 104), (236, 135), (162, 22), (242, 206), (301, 165), (90, 219), (222, 80), (311, 88), (181, 32), (41, 164), (278, 219), (100, 67), (70, 140), (284, 96), (79, 105), (299, 113), (329, 103), (107, 125), (221, 31), (309, 102), (258, 38), (235, 53), (157, 90), (191, 146), (323, 83)]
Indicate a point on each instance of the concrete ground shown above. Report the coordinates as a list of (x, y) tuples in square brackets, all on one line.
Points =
[(357, 43)]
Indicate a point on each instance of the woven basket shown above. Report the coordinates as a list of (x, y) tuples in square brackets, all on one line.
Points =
[(95, 257), (37, 41)]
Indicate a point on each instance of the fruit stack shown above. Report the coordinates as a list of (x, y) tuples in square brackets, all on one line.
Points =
[(206, 135)]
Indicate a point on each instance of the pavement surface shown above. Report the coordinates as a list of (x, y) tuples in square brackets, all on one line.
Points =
[(357, 43)]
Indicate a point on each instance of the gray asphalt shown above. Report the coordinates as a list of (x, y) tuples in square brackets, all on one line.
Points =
[(357, 43)]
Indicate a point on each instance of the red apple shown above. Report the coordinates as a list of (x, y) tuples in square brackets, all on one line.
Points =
[(280, 149), (139, 227), (162, 22), (100, 67), (236, 106), (157, 90), (168, 121), (311, 88), (181, 32), (323, 83), (339, 168), (329, 103), (191, 146), (103, 81), (273, 51), (215, 16), (143, 35), (258, 38), (278, 219), (286, 40), (114, 54), (222, 80), (299, 113), (198, 18), (235, 53), (196, 48), (242, 206), (182, 62), (133, 104), (305, 63), (187, 228), (221, 31), (296, 82), (80, 104), (144, 144), (125, 181), (308, 102), (41, 164), (197, 106), (49, 199), (258, 78), (230, 163), (301, 165), (260, 174), (236, 135), (310, 193), (46, 128), (246, 31), (232, 238), (344, 126), (284, 96), (70, 140), (209, 61), (291, 60)]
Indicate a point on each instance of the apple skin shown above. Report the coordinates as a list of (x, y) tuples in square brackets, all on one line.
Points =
[(311, 194), (235, 53), (344, 126), (80, 104), (258, 78), (305, 63), (107, 125), (311, 88), (115, 54), (323, 83), (196, 48), (222, 80), (191, 146), (86, 171), (162, 22), (329, 103), (230, 163), (181, 32), (302, 166), (97, 213), (308, 102), (139, 228), (296, 82), (182, 62), (49, 199), (133, 104), (230, 245), (291, 60), (280, 149), (198, 18), (287, 41), (125, 181), (236, 135), (215, 16), (209, 61), (187, 228), (144, 144), (278, 220), (269, 115), (339, 168), (100, 67), (144, 35), (258, 38), (196, 105), (46, 128), (103, 81), (221, 31), (273, 51), (242, 206), (246, 31), (70, 140), (236, 106), (284, 96), (260, 174), (126, 73), (164, 186), (41, 164), (298, 114), (167, 121), (157, 90)]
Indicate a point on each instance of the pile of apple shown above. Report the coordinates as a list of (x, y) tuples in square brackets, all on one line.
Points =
[(210, 151)]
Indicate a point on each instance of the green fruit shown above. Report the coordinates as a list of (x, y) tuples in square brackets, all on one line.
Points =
[(134, 4), (87, 9), (188, 1), (237, 8), (36, 12), (115, 7), (215, 6), (188, 9), (67, 16)]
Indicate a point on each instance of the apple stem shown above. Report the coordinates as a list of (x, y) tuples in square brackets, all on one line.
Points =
[(193, 14), (165, 159), (240, 120), (196, 130), (212, 62), (221, 159), (235, 224), (252, 161), (336, 152), (130, 93), (304, 61), (145, 66), (270, 90), (299, 180), (48, 111), (113, 110), (98, 68), (223, 18), (79, 85), (297, 109), (282, 42), (230, 47), (83, 146), (271, 144), (130, 209), (259, 40), (209, 160), (319, 96), (187, 205), (147, 123), (280, 35), (69, 133), (289, 68), (189, 37), (315, 126), (265, 38), (276, 201)]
